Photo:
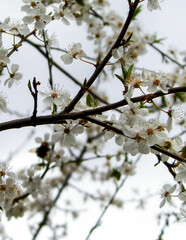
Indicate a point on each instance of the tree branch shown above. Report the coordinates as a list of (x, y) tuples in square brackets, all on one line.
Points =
[(60, 118)]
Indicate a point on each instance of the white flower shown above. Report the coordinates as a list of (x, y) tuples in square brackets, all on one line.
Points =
[(182, 196), (128, 169), (74, 52), (134, 146), (174, 114), (32, 182), (56, 97), (183, 211), (97, 34), (16, 210), (3, 103), (59, 157), (155, 82), (153, 5), (38, 16), (100, 4), (63, 14), (166, 194), (153, 132), (3, 56), (65, 133), (30, 5), (15, 27), (181, 175), (8, 190), (14, 75), (122, 56), (132, 114), (51, 41), (173, 145), (5, 170)]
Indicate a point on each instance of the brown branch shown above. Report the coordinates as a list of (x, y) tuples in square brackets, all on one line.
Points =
[(34, 94), (60, 118)]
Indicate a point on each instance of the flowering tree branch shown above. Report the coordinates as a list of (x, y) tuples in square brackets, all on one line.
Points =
[(55, 64), (100, 66), (76, 146), (61, 117)]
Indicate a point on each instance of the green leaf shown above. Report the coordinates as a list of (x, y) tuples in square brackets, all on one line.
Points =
[(29, 86), (120, 78), (179, 96), (128, 39), (126, 73), (130, 70), (136, 12), (156, 40), (80, 2), (90, 101)]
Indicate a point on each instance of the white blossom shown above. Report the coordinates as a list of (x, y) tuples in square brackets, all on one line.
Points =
[(181, 172), (65, 134), (15, 26), (38, 16), (3, 103), (64, 14), (3, 56), (165, 194), (32, 182), (122, 56), (128, 169), (100, 4), (56, 96), (74, 52), (8, 185), (5, 170), (183, 211), (51, 41), (14, 76), (153, 5), (155, 82)]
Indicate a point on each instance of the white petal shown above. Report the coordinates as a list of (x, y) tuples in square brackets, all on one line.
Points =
[(14, 68), (67, 59)]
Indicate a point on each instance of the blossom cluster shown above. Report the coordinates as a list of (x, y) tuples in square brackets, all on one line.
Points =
[(9, 187)]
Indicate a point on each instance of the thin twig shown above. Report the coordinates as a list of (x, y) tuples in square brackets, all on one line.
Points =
[(98, 222), (65, 183), (34, 95), (49, 61), (164, 55)]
